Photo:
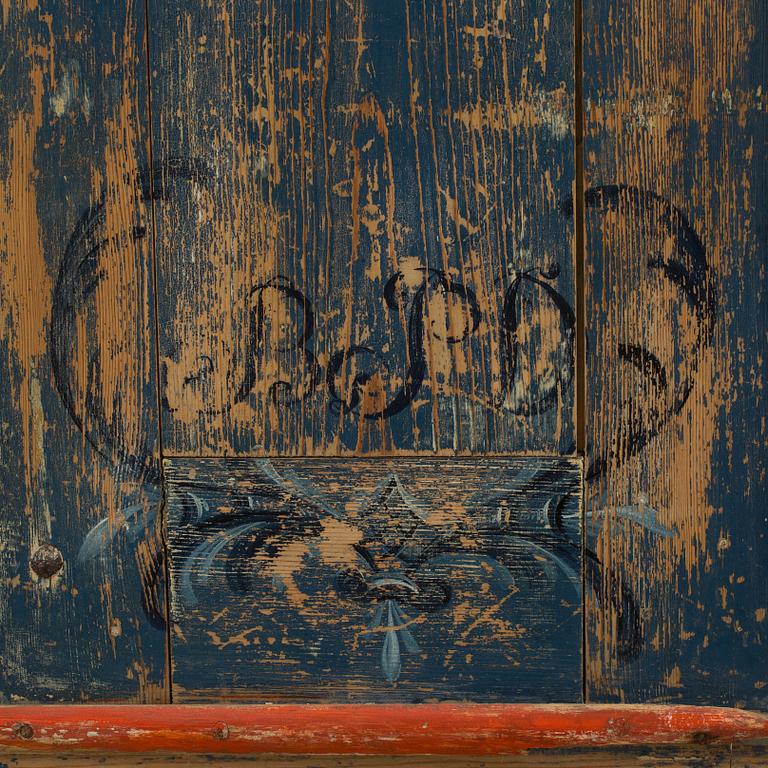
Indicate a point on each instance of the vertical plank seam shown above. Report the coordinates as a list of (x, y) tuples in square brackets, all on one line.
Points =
[(580, 302), (156, 352)]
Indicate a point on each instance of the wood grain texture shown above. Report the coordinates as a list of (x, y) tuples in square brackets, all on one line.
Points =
[(361, 245), (80, 592), (375, 580), (728, 756), (634, 757), (675, 210), (435, 729)]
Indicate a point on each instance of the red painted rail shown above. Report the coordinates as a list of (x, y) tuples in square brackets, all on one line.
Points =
[(368, 729)]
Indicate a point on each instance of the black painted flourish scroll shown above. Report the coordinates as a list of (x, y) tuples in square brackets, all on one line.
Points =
[(667, 246), (684, 265), (403, 565), (81, 272), (515, 394), (399, 572), (349, 370)]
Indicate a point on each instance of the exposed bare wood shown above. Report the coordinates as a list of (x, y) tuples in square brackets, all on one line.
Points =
[(361, 242), (319, 580), (675, 164), (81, 590)]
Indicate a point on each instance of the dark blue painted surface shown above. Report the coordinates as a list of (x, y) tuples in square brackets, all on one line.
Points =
[(375, 580), (390, 174), (78, 434), (365, 224), (677, 318)]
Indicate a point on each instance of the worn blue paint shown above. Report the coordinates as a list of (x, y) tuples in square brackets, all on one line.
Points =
[(82, 634), (362, 580), (409, 110), (703, 633)]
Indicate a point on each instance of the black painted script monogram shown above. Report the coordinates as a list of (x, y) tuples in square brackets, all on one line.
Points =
[(374, 383)]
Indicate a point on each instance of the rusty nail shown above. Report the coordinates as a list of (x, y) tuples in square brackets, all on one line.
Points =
[(23, 730), (221, 731), (46, 561)]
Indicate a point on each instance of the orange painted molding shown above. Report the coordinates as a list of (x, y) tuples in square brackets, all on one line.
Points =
[(442, 729)]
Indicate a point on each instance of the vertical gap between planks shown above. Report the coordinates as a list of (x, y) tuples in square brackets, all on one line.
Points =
[(156, 352), (580, 302), (581, 326)]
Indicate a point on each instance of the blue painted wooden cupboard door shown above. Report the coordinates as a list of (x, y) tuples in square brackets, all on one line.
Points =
[(373, 351), (365, 261)]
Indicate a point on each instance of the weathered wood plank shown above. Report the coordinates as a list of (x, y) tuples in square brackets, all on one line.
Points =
[(375, 580), (676, 169), (621, 757), (361, 248), (81, 601), (435, 729), (627, 757)]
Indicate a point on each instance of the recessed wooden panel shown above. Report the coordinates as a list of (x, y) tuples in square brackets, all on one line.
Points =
[(81, 588), (375, 580), (675, 167), (362, 246)]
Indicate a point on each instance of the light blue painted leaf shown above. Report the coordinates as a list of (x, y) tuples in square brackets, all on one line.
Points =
[(409, 641), (293, 484), (201, 506), (390, 651), (200, 560), (418, 507), (639, 514), (377, 617), (101, 534), (407, 638), (496, 487)]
